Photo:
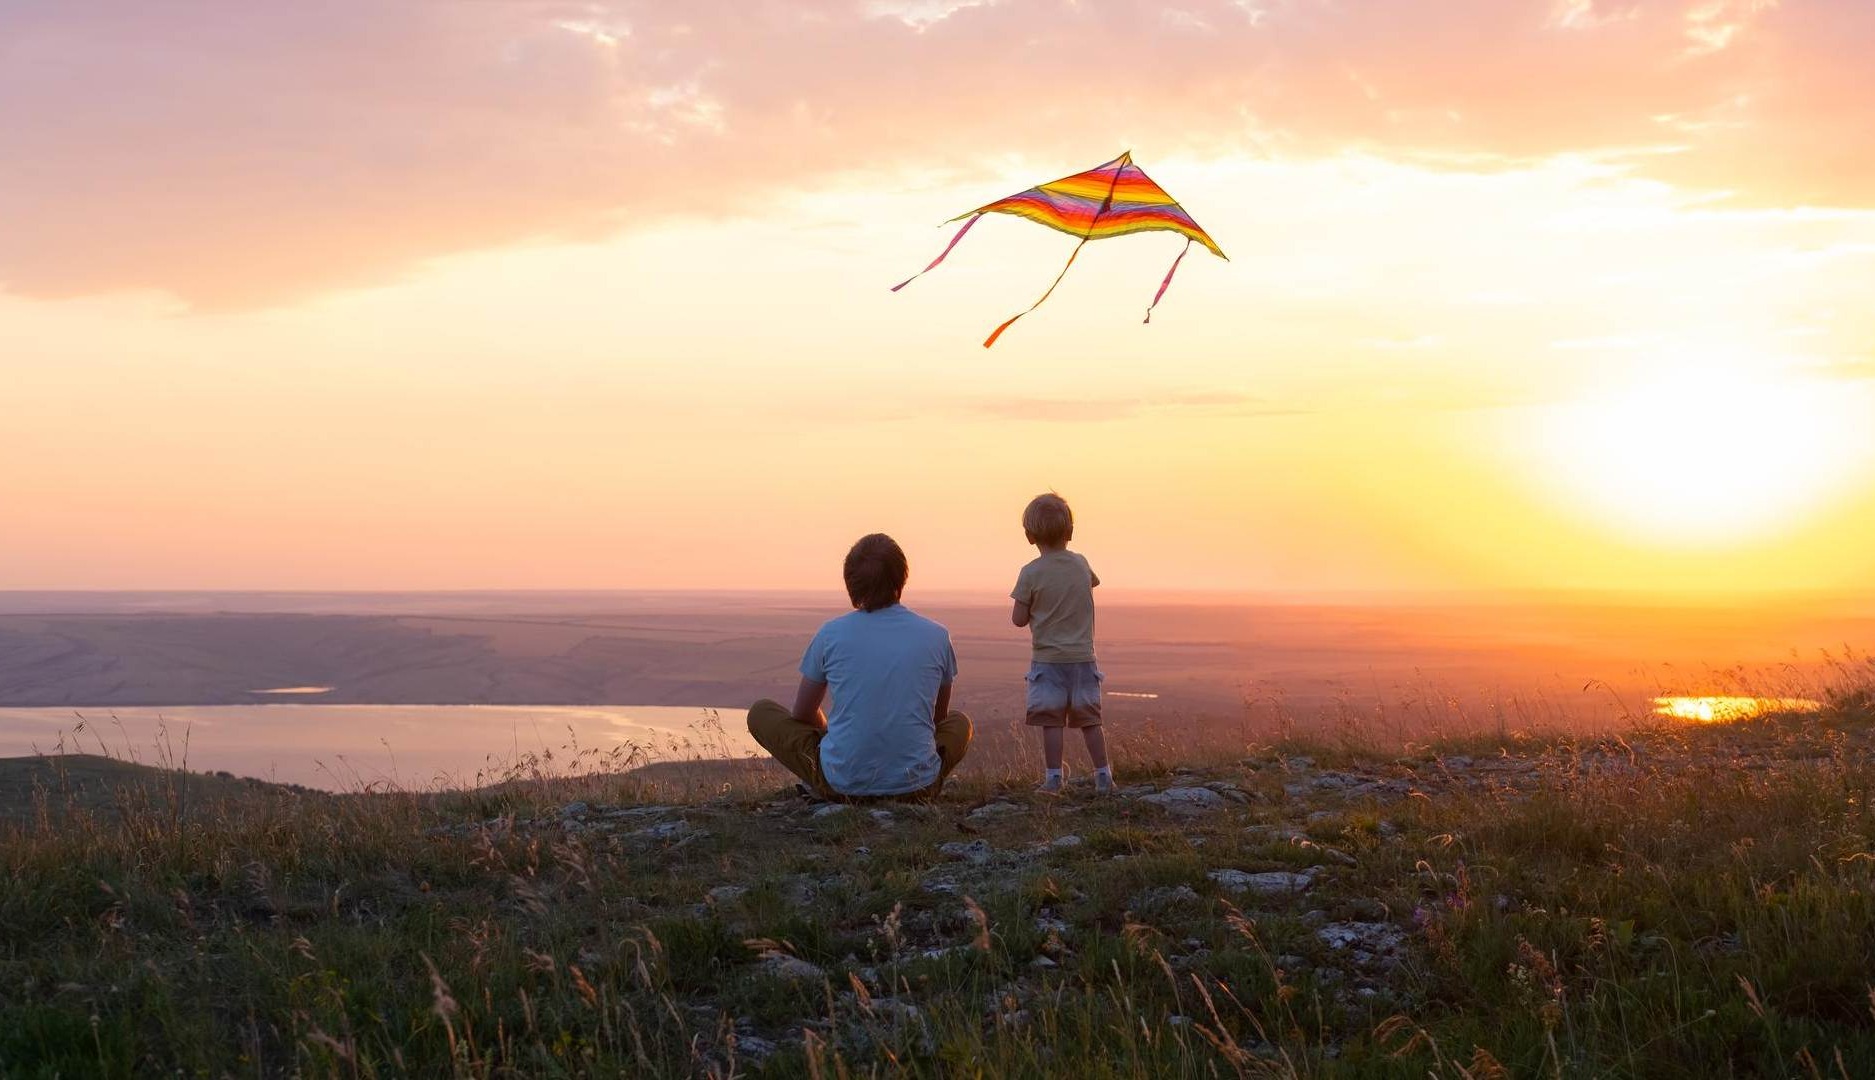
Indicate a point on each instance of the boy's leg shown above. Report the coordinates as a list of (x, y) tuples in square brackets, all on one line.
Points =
[(1048, 710), (787, 740), (1051, 748), (953, 742), (1084, 711)]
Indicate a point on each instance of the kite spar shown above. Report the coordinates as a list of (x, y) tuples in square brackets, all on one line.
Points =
[(1108, 200)]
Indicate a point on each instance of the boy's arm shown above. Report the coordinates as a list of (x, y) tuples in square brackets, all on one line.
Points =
[(943, 706), (1024, 596), (807, 703)]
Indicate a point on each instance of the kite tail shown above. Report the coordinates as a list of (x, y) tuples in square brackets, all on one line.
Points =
[(998, 332), (1167, 283), (941, 254)]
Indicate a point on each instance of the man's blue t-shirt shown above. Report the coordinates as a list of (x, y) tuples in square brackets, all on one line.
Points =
[(883, 670)]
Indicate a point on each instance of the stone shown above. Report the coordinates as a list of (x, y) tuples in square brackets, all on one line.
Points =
[(1267, 883), (1300, 764), (1368, 944), (993, 810), (1063, 842), (832, 809), (670, 831), (1285, 834), (790, 968), (574, 809), (726, 894), (883, 817), (1163, 896), (799, 890), (1043, 962), (972, 851), (1188, 801), (754, 1048)]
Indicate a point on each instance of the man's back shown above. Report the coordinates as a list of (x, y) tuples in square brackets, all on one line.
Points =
[(883, 670)]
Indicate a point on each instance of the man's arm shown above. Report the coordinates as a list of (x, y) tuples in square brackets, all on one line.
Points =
[(943, 707), (807, 703), (1020, 616)]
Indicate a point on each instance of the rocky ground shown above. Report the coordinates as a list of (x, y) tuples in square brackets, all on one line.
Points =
[(1326, 876), (1674, 902)]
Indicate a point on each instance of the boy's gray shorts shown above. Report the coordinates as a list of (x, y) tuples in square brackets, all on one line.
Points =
[(1064, 695)]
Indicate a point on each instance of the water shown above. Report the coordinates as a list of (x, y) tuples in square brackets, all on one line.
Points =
[(1724, 709), (345, 747)]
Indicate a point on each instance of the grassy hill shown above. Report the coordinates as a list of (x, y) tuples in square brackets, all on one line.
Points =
[(1674, 902), (64, 784)]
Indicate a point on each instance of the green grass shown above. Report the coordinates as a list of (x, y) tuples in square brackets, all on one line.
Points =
[(1680, 903)]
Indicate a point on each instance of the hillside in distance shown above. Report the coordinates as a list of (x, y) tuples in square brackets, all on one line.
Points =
[(1535, 658)]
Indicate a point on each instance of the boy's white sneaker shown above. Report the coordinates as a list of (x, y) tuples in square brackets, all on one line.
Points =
[(1103, 783), (1050, 785)]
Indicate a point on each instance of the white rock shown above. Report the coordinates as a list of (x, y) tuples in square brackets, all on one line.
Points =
[(993, 810), (754, 1047), (726, 894), (791, 968), (670, 830), (975, 851), (1188, 801), (1369, 944), (832, 809), (1268, 883)]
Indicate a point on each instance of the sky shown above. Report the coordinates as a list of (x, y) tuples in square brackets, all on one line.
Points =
[(529, 294)]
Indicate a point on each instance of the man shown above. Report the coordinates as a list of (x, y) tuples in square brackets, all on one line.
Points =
[(893, 734)]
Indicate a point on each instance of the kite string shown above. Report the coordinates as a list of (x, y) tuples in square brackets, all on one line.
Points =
[(1167, 283), (998, 332), (941, 255), (1112, 186)]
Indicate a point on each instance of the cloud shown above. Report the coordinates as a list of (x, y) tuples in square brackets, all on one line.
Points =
[(241, 154), (1083, 410)]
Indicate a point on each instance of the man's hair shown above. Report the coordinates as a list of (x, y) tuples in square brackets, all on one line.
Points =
[(1048, 520), (875, 572)]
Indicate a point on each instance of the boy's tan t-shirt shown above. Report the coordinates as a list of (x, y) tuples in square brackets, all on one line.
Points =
[(1058, 586)]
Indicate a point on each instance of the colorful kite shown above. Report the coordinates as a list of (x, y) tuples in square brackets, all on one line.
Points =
[(1109, 200)]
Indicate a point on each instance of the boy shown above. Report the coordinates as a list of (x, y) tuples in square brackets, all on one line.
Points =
[(1054, 598)]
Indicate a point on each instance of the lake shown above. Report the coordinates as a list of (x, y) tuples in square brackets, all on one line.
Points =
[(346, 747)]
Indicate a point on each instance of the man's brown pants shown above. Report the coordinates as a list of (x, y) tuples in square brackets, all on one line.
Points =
[(797, 746)]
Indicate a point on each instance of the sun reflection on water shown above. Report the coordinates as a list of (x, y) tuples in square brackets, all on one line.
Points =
[(1724, 709)]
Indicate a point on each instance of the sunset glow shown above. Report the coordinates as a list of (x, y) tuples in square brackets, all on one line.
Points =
[(595, 295), (1726, 710)]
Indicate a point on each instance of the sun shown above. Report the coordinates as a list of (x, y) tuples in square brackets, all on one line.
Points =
[(1706, 454)]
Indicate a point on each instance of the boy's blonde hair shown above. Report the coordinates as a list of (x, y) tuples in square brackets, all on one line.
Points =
[(1047, 520)]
